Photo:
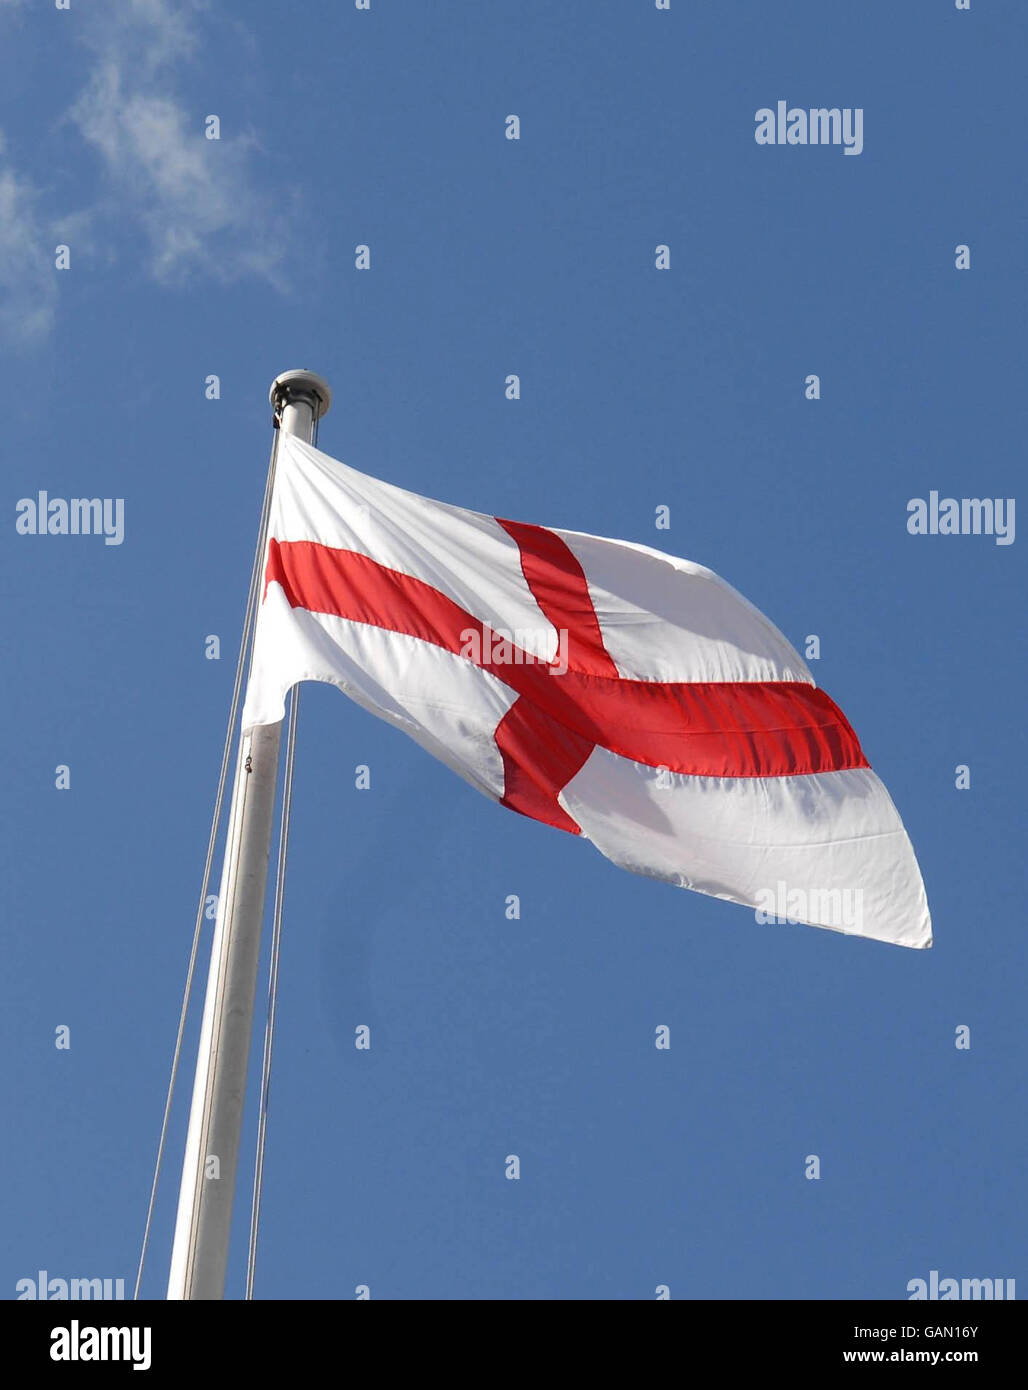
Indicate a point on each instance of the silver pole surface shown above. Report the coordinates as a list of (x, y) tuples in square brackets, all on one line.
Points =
[(200, 1252)]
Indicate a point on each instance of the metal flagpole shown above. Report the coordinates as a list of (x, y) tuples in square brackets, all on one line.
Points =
[(200, 1252)]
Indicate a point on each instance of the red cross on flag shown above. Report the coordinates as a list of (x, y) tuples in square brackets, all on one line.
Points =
[(600, 686)]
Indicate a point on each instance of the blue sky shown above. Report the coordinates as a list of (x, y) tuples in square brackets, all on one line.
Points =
[(639, 388)]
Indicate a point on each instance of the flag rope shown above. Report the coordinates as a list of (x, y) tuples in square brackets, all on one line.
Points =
[(245, 646)]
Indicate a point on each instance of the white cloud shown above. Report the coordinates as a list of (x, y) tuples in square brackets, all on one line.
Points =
[(28, 289), (149, 34), (198, 201)]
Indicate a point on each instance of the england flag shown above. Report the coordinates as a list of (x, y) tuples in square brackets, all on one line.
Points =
[(602, 687)]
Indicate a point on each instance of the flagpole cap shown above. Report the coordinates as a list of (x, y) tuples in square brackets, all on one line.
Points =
[(289, 386)]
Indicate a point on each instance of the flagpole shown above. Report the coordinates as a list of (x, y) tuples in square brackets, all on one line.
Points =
[(200, 1251)]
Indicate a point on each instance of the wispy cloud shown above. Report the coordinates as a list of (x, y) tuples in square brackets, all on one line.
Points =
[(201, 205), (199, 202), (28, 289)]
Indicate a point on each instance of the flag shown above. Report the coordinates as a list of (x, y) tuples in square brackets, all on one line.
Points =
[(600, 686)]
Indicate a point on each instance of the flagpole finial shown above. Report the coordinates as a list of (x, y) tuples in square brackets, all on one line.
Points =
[(304, 386)]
